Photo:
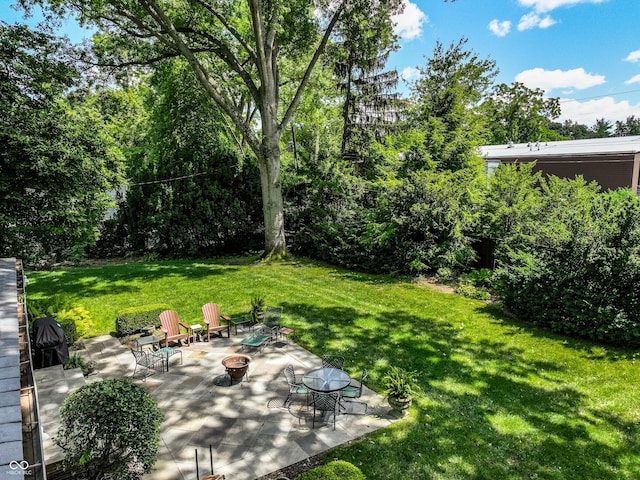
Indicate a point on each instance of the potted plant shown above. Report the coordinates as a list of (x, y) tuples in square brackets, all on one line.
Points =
[(399, 385), (257, 309)]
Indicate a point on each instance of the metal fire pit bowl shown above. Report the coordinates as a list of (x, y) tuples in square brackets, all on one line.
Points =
[(236, 365)]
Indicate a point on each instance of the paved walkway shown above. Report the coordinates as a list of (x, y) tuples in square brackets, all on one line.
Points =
[(249, 429)]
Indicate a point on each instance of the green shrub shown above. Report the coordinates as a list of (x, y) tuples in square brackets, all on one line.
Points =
[(133, 319), (76, 361), (471, 291), (73, 317), (109, 429), (48, 307), (482, 278), (336, 470)]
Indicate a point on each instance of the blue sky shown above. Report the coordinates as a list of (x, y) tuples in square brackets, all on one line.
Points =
[(587, 52)]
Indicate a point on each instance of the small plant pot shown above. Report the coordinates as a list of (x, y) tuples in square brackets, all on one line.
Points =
[(399, 404)]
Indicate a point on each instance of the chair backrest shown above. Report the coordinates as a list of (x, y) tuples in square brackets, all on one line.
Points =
[(272, 316), (290, 375), (142, 357), (365, 373), (326, 401), (211, 312), (332, 361), (169, 320)]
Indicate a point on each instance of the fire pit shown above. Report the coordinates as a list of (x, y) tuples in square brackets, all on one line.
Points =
[(236, 365)]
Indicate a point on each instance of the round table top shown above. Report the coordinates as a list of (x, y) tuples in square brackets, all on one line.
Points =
[(326, 379)]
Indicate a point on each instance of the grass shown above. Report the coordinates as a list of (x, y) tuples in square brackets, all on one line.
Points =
[(500, 399)]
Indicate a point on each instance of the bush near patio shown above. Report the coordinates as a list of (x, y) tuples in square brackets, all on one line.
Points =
[(500, 398), (336, 470), (109, 429), (134, 319)]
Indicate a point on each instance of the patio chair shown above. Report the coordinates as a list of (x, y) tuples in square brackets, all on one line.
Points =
[(332, 361), (148, 360), (355, 391), (272, 317), (171, 327), (295, 387), (212, 318), (326, 402)]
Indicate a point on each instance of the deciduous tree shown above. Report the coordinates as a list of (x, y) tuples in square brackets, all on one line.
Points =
[(446, 95), (519, 114), (235, 49), (56, 161)]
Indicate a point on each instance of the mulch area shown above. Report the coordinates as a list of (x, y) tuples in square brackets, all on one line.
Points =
[(292, 471)]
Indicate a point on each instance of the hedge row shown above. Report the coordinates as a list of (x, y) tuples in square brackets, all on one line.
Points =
[(134, 319)]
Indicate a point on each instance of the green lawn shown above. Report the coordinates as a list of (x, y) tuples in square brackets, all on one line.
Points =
[(501, 400)]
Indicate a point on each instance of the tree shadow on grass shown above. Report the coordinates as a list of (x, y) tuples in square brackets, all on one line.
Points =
[(593, 349), (124, 278), (487, 410)]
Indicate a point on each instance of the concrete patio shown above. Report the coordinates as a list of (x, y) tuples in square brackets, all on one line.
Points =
[(250, 430)]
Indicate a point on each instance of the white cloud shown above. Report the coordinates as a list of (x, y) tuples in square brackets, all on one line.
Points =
[(550, 79), (588, 112), (533, 20), (408, 25), (633, 56), (409, 74), (542, 6), (500, 29), (635, 79)]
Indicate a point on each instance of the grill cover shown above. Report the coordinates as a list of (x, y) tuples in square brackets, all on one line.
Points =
[(49, 343)]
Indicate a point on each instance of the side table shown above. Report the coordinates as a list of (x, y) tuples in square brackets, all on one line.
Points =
[(148, 340), (195, 331), (240, 321), (285, 332)]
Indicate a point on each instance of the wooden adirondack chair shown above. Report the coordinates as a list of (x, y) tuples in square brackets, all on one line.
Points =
[(171, 327), (212, 317)]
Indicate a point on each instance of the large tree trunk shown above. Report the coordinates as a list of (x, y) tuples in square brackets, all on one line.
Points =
[(272, 203), (275, 245)]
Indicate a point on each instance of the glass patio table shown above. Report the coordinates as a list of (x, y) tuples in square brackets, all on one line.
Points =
[(326, 380)]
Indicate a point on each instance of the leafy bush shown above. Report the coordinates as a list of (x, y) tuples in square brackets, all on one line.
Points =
[(133, 319), (76, 361), (575, 270), (73, 317), (336, 470), (482, 278), (471, 291), (109, 429)]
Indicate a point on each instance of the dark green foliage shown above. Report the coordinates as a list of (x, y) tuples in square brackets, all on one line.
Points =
[(63, 309), (336, 470), (424, 223), (133, 319), (56, 163), (573, 265), (70, 330), (76, 361), (445, 98), (192, 193), (109, 429)]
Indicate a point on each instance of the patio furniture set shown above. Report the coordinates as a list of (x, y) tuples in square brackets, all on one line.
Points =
[(174, 330), (327, 385)]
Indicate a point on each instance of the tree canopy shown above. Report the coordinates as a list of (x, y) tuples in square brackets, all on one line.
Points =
[(236, 49), (56, 162)]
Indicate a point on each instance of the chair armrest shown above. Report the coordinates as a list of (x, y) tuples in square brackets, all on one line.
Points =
[(184, 325)]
